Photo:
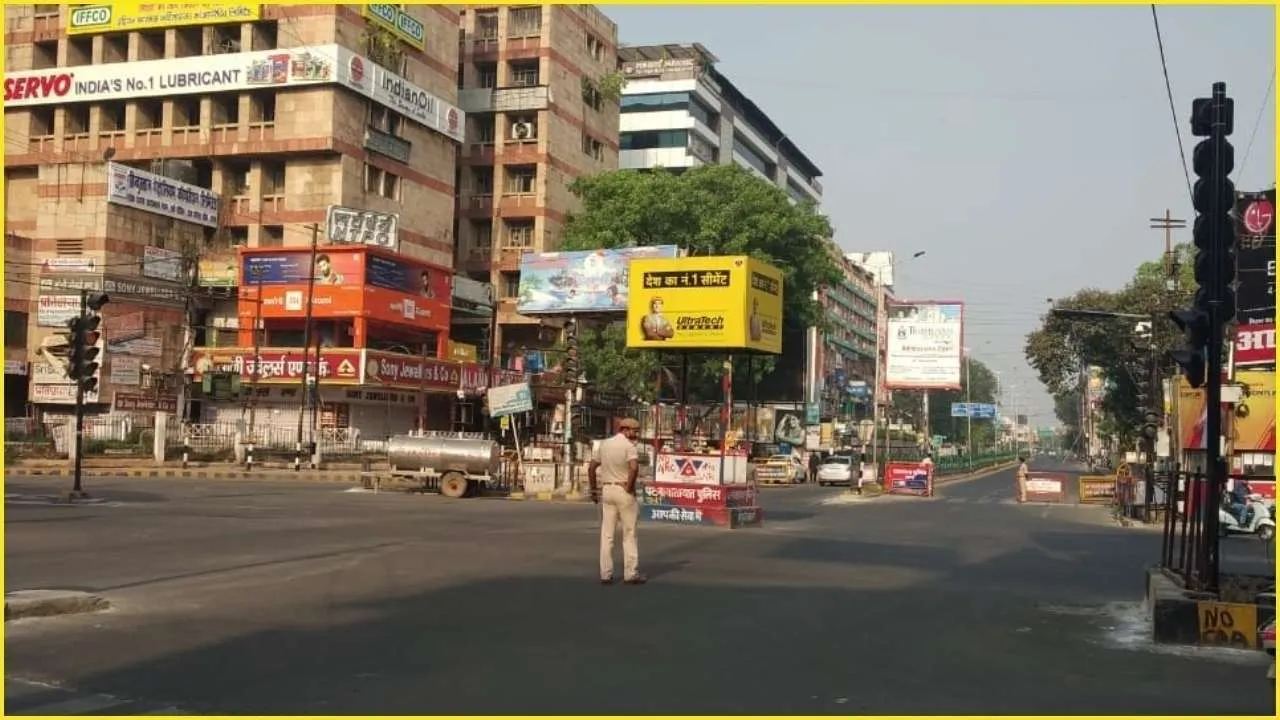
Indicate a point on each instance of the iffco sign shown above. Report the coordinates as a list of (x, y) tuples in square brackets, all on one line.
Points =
[(88, 19)]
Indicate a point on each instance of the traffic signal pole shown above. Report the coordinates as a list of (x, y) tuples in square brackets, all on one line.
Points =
[(77, 489)]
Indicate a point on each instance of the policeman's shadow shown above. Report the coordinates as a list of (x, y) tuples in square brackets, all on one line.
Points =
[(659, 569)]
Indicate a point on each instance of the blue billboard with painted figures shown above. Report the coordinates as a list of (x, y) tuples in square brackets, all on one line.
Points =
[(591, 281)]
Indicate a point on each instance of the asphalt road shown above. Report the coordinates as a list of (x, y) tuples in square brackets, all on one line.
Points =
[(260, 598)]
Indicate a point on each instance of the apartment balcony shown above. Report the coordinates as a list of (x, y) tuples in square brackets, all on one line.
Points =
[(509, 99)]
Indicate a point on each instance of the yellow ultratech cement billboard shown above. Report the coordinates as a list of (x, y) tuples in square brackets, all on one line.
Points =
[(713, 303)]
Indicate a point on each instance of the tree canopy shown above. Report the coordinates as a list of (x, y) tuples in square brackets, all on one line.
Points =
[(710, 210), (980, 386), (1062, 348)]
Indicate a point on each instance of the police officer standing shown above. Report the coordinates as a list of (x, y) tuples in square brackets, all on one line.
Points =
[(613, 473)]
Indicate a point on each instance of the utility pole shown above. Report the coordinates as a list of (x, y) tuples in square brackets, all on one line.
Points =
[(258, 273), (306, 347), (1168, 223)]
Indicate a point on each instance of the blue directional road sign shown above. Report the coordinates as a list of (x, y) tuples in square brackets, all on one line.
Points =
[(973, 410)]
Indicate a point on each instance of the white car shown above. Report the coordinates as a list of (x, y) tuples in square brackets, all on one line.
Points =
[(794, 468), (837, 470)]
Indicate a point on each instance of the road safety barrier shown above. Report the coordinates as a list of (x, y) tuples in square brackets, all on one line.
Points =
[(908, 478), (1046, 487), (1096, 489)]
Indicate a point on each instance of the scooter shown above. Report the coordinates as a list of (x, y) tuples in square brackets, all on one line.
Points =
[(1258, 517)]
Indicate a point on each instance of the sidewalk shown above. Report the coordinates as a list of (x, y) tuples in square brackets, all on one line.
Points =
[(111, 468)]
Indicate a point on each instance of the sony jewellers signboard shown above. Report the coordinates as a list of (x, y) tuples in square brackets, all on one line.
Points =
[(160, 195), (233, 72)]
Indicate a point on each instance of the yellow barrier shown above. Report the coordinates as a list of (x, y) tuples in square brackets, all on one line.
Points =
[(1096, 489)]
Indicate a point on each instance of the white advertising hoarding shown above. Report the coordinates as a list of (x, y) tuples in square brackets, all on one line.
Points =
[(162, 264), (233, 72), (349, 226), (56, 310), (925, 345), (158, 194)]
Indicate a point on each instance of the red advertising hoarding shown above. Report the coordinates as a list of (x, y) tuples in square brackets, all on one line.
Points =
[(909, 478)]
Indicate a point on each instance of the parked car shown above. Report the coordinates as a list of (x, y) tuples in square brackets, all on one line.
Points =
[(794, 469), (838, 470)]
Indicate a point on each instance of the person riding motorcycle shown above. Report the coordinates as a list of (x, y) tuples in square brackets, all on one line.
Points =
[(1238, 505)]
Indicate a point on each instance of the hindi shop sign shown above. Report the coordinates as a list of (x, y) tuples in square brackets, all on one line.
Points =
[(160, 195), (56, 310), (348, 226)]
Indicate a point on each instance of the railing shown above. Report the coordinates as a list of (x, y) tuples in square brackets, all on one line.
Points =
[(1189, 551)]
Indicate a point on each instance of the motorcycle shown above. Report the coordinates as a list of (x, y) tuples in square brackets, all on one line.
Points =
[(1258, 520)]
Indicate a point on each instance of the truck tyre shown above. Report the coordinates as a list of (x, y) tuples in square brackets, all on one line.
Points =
[(454, 485)]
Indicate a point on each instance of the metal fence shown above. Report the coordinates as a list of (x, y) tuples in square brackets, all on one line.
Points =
[(217, 440), (1190, 548)]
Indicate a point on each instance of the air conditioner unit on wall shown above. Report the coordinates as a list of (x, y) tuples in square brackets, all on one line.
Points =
[(523, 131)]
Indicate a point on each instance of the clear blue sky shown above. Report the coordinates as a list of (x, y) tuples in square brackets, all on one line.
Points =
[(1024, 148)]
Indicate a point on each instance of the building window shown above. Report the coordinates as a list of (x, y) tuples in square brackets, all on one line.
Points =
[(380, 182), (41, 121), (238, 236), (271, 236), (225, 39), (484, 129), (262, 108), (650, 139), (273, 178), (523, 73), (592, 147), (591, 94), (111, 117), (524, 21), (518, 234), (521, 180), (44, 55), (595, 47), (482, 180), (115, 48), (45, 10), (388, 121), (487, 75), (226, 110), (752, 157), (149, 114), (15, 327), (79, 51), (487, 25), (76, 121), (266, 35), (510, 285), (482, 236), (186, 113), (151, 45)]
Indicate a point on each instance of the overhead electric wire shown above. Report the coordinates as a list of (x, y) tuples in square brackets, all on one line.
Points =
[(1258, 122), (1168, 88)]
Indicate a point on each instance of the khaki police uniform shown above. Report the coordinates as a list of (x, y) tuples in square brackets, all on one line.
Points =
[(618, 506)]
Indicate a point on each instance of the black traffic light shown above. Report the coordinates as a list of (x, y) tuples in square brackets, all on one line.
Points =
[(1150, 424), (84, 338), (571, 351), (1192, 357)]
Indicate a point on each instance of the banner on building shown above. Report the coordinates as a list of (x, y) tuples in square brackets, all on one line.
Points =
[(160, 195), (128, 17), (925, 345), (1255, 345), (1254, 215), (161, 264), (218, 273), (566, 283), (56, 310), (125, 370), (348, 226), (1250, 425), (714, 303), (510, 399)]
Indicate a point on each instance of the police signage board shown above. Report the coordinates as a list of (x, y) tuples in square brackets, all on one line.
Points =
[(199, 75), (510, 399), (121, 17)]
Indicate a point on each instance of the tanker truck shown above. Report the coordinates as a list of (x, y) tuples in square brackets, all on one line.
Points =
[(455, 465)]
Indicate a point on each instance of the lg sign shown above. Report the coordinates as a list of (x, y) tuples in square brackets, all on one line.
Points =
[(1258, 217), (38, 87)]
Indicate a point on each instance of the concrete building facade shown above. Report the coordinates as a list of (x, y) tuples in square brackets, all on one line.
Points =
[(679, 111), (146, 161), (847, 348), (535, 85)]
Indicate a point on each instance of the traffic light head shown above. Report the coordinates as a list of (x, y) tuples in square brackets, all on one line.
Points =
[(95, 300), (1215, 113), (1150, 424), (84, 337)]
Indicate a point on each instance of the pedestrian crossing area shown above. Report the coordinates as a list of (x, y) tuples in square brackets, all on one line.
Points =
[(29, 697)]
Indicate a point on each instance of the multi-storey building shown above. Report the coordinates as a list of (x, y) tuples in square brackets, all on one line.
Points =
[(149, 152), (538, 84), (847, 350), (679, 111)]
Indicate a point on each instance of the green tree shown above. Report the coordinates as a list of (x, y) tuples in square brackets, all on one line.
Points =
[(614, 369), (710, 210), (979, 387), (1062, 348)]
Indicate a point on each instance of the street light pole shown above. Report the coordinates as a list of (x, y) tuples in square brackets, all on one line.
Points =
[(968, 399)]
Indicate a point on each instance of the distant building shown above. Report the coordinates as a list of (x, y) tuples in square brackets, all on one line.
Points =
[(530, 83), (847, 350), (679, 111)]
